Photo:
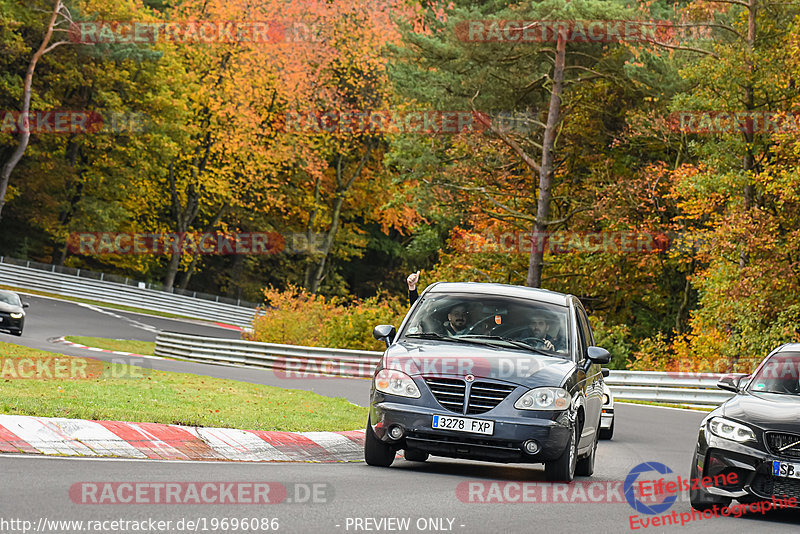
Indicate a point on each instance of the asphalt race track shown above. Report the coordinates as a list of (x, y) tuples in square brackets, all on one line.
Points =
[(438, 496)]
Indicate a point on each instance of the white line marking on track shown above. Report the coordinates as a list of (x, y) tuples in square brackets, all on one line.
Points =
[(133, 322)]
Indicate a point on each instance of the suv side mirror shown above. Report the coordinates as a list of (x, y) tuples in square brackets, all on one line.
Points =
[(25, 304), (598, 355), (731, 382), (385, 333)]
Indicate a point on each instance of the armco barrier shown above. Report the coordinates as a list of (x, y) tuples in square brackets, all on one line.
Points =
[(122, 294), (673, 388), (288, 358)]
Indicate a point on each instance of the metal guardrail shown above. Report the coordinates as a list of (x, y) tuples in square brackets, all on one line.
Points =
[(294, 361), (71, 285), (291, 360), (673, 387), (125, 280)]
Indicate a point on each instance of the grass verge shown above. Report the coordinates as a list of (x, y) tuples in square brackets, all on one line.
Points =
[(81, 388), (122, 345)]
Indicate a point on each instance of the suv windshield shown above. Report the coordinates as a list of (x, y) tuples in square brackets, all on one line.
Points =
[(491, 320), (780, 374)]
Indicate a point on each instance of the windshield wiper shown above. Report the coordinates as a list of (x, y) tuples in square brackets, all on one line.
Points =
[(434, 335), (515, 342)]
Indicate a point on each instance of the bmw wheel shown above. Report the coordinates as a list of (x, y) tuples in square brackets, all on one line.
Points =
[(699, 498)]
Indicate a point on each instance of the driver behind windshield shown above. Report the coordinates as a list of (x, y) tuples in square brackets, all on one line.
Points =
[(538, 332), (457, 316), (456, 323)]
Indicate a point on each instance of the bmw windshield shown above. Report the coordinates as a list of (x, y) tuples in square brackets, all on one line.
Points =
[(491, 320), (10, 298), (780, 374)]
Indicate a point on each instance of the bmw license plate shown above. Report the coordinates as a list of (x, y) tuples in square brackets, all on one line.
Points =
[(785, 469), (463, 424)]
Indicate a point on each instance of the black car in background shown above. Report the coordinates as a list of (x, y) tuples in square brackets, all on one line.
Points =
[(12, 315), (754, 435), (491, 387)]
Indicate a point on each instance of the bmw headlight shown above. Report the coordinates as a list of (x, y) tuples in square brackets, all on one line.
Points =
[(394, 382), (727, 429), (16, 315), (544, 399)]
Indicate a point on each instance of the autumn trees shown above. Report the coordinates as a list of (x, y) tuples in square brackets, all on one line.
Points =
[(573, 135), (623, 163), (216, 153)]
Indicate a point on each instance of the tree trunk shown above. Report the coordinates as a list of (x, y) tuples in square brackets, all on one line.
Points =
[(193, 265), (237, 273), (188, 274), (319, 270), (172, 271), (316, 273), (62, 256), (24, 131), (73, 147), (685, 301), (183, 217), (540, 228), (748, 162)]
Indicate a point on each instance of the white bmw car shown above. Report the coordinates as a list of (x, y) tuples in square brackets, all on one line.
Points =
[(607, 415)]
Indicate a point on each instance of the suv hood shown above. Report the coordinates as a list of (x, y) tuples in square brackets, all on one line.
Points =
[(444, 358)]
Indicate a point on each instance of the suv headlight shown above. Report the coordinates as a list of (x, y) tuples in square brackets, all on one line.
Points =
[(544, 399), (16, 315), (727, 429), (395, 382)]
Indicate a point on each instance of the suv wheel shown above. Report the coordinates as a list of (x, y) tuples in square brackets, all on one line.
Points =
[(563, 469), (377, 452)]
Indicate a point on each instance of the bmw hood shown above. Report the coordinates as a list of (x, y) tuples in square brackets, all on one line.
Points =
[(10, 308), (768, 411), (518, 366)]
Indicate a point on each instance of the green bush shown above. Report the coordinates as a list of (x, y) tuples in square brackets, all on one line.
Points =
[(615, 339), (296, 317)]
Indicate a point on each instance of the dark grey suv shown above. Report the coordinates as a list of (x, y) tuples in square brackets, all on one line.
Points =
[(489, 372)]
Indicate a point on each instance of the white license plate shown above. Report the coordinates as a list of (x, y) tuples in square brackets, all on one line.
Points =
[(463, 424), (785, 469)]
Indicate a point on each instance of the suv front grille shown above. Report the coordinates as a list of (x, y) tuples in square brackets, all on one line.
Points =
[(448, 392), (778, 440), (483, 396)]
